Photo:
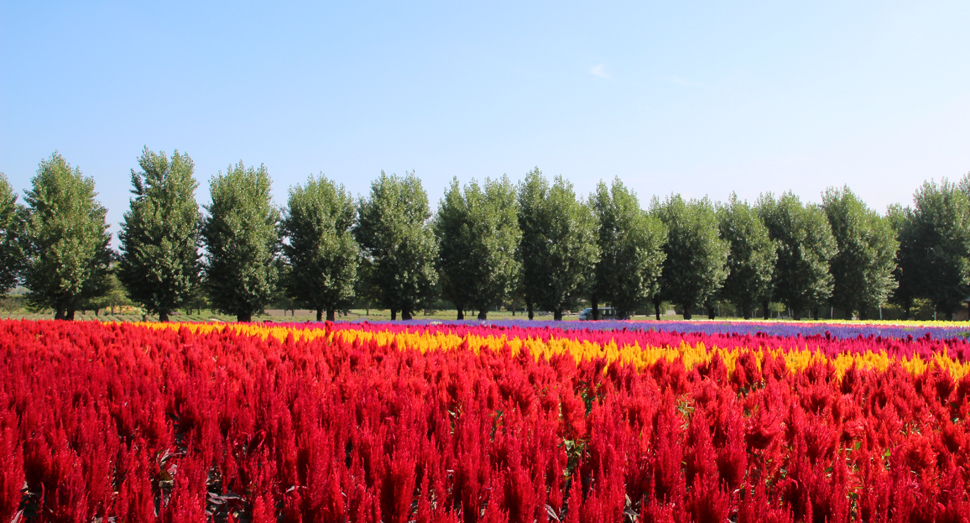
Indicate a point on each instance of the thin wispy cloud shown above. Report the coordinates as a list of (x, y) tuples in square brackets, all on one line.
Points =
[(599, 70), (685, 82)]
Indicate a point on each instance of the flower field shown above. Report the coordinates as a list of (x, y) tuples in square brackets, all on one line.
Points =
[(470, 422)]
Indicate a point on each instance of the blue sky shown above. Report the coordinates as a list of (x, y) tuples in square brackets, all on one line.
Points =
[(696, 98)]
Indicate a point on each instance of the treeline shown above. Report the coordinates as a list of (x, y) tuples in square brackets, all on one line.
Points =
[(489, 243)]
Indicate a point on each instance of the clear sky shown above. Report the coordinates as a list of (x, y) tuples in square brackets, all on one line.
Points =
[(696, 98)]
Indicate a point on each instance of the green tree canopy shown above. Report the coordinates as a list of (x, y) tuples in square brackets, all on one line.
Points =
[(113, 297), (631, 244), (862, 269), (532, 247), (66, 239), (907, 271), (801, 280), (941, 244), (11, 231), (478, 235), (398, 244), (696, 264), (241, 239), (320, 246), (558, 248), (752, 256), (159, 265)]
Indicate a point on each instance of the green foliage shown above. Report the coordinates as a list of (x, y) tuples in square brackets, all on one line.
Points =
[(366, 291), (631, 243), (66, 239), (940, 244), (113, 297), (751, 261), (197, 301), (456, 269), (907, 271), (531, 195), (320, 247), (696, 264), (242, 242), (558, 248), (805, 247), (862, 270), (12, 217), (398, 243), (478, 234), (159, 236)]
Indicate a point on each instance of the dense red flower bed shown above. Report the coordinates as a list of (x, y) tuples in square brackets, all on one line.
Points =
[(141, 424)]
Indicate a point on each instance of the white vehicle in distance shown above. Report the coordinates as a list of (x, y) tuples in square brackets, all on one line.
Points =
[(606, 313)]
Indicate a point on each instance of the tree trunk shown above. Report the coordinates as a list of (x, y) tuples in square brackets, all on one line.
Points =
[(529, 307), (656, 307), (393, 314), (711, 313), (163, 316), (461, 314), (594, 302), (557, 315), (796, 315), (405, 314), (330, 314), (764, 309), (815, 313), (244, 317), (60, 314), (319, 314), (69, 315), (746, 312), (687, 314), (483, 314)]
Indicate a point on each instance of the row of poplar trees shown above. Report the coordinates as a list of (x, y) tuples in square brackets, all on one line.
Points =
[(488, 244)]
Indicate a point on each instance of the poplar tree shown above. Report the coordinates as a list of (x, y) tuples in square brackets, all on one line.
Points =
[(531, 195), (907, 271), (320, 246), (11, 231), (398, 243), (862, 269), (801, 279), (696, 263), (630, 242), (558, 247), (66, 239), (478, 235), (159, 265), (941, 244), (241, 238), (751, 257)]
